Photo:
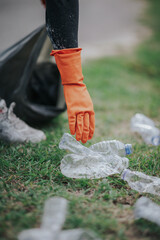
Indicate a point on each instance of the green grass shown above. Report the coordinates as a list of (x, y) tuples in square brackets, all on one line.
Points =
[(30, 174)]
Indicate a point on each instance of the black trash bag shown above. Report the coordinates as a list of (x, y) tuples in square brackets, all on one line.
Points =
[(43, 83), (35, 87)]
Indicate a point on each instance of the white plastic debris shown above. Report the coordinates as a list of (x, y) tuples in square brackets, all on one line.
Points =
[(70, 143), (112, 147), (76, 166), (142, 182), (98, 161), (54, 215), (146, 128), (52, 222), (36, 234), (77, 234), (142, 119), (145, 208)]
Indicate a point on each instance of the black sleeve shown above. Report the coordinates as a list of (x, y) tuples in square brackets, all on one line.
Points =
[(62, 23)]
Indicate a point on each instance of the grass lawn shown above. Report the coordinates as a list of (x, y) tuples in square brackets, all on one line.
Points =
[(30, 174)]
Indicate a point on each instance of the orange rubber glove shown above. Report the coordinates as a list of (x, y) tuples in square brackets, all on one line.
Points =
[(79, 104)]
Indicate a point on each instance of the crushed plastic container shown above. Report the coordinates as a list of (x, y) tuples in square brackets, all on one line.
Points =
[(103, 148), (98, 161), (146, 128), (141, 182), (92, 167), (145, 208)]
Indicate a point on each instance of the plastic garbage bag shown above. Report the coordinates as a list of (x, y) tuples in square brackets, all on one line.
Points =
[(29, 77), (141, 182), (146, 128), (145, 208), (86, 163)]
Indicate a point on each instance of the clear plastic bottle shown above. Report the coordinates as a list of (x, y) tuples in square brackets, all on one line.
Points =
[(70, 143), (142, 119), (142, 182), (36, 234), (92, 167), (146, 128), (102, 148), (145, 208), (112, 147), (98, 161), (54, 215)]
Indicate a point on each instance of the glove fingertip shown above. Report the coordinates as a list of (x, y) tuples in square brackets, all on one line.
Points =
[(78, 138), (72, 132)]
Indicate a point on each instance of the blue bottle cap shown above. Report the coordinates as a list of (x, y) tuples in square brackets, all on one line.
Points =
[(128, 149)]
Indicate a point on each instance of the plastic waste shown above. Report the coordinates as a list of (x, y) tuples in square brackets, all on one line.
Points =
[(76, 166), (142, 182), (94, 162), (70, 143), (103, 148), (145, 208), (142, 119), (43, 234), (52, 222), (146, 128), (54, 215), (112, 147), (77, 234), (36, 234)]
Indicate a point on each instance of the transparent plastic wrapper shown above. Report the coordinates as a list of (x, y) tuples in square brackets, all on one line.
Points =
[(146, 128), (145, 208), (54, 215), (142, 182), (94, 162)]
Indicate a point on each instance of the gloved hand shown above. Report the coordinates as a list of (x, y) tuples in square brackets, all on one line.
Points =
[(79, 104)]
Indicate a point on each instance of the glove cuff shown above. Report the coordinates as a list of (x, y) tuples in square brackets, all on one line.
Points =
[(69, 64)]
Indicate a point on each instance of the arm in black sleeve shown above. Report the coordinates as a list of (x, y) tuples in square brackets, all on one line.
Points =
[(62, 23)]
